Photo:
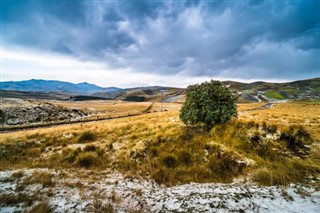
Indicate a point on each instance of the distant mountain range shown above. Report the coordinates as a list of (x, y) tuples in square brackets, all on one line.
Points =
[(249, 92), (35, 85)]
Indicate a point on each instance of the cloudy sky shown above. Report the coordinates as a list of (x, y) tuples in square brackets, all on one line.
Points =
[(173, 43)]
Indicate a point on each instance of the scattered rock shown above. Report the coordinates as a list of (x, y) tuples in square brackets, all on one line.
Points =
[(24, 112)]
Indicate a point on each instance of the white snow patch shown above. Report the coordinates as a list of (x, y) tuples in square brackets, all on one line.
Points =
[(82, 190)]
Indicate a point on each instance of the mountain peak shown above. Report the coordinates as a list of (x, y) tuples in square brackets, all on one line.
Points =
[(83, 83)]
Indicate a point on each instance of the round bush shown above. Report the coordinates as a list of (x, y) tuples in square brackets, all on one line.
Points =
[(208, 104)]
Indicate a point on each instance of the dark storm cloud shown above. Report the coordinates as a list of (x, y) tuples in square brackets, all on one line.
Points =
[(83, 28), (229, 39)]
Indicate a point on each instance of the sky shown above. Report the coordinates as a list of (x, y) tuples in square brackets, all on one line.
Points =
[(168, 43)]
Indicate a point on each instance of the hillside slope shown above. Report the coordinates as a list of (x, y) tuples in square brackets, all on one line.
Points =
[(263, 91), (307, 90)]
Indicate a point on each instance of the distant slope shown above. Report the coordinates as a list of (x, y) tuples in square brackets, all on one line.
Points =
[(249, 92), (154, 94), (53, 86), (34, 95), (263, 91), (87, 98)]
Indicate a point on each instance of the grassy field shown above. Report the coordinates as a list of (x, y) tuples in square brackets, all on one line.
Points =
[(116, 108), (306, 114), (30, 114), (276, 145), (274, 95)]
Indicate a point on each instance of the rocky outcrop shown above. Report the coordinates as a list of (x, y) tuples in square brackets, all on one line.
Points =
[(24, 112)]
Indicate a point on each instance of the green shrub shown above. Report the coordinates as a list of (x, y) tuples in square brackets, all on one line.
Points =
[(208, 104)]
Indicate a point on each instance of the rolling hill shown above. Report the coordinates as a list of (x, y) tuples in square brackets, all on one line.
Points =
[(248, 92), (308, 89)]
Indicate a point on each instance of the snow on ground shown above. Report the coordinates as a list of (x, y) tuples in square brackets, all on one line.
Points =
[(87, 191)]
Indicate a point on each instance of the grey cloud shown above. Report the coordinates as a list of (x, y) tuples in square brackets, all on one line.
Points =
[(253, 39)]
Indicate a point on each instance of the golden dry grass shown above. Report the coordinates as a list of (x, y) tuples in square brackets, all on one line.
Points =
[(285, 114), (158, 146), (114, 108)]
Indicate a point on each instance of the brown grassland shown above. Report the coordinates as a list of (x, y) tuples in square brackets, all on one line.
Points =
[(105, 109), (277, 145)]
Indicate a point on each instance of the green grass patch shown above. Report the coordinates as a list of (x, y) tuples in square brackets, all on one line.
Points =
[(291, 91), (274, 95), (247, 91), (316, 89)]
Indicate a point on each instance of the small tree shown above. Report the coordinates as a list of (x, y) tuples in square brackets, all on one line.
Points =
[(208, 104)]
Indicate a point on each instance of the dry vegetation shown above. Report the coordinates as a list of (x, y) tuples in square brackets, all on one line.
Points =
[(278, 145), (306, 114), (105, 109), (20, 116)]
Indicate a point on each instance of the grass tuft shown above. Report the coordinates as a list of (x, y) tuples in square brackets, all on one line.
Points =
[(87, 160), (86, 137), (296, 137), (44, 178), (185, 157), (70, 155), (289, 171), (169, 160), (14, 199), (43, 207), (90, 148), (18, 174)]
